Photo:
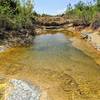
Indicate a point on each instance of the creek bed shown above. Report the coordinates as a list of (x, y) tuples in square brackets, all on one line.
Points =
[(61, 70)]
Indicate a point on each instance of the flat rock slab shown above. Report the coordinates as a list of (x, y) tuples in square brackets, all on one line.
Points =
[(22, 90), (95, 40)]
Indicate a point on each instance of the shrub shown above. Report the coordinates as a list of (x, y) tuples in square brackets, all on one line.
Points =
[(16, 15), (85, 12)]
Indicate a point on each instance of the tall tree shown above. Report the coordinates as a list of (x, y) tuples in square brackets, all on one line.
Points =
[(98, 5)]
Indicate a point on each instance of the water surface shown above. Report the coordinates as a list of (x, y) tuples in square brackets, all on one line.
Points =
[(63, 71)]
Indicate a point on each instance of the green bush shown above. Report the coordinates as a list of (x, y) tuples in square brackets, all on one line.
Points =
[(16, 17), (85, 12)]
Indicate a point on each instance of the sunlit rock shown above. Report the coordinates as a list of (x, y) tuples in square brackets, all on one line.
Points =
[(22, 90)]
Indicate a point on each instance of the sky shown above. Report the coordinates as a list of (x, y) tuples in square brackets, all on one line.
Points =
[(54, 7)]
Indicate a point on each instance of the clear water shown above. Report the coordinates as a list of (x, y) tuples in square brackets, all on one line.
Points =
[(51, 56)]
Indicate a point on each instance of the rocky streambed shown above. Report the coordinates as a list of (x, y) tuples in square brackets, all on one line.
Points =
[(16, 89), (51, 69)]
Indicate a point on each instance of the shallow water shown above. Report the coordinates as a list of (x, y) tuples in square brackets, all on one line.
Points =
[(53, 64)]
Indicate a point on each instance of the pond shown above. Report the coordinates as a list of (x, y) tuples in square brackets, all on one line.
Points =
[(52, 63)]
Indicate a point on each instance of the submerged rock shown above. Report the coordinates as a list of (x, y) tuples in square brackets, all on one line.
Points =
[(22, 90), (2, 48)]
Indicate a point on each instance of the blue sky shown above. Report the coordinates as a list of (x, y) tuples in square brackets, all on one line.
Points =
[(53, 7)]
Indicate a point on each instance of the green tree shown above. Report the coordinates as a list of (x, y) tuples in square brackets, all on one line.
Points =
[(98, 5), (85, 12), (16, 13)]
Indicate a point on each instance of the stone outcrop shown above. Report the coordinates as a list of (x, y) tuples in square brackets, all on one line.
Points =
[(22, 90), (92, 38), (85, 35), (23, 37)]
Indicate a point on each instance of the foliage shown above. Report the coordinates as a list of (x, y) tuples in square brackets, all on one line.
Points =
[(15, 14), (85, 12)]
